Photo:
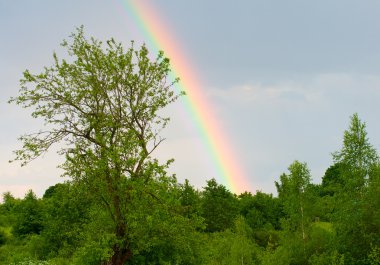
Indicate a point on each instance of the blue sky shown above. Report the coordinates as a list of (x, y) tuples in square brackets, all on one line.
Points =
[(283, 76)]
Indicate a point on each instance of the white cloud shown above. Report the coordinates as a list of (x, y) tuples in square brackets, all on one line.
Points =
[(312, 90), (287, 92)]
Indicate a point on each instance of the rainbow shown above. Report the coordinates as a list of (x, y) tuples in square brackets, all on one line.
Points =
[(156, 34)]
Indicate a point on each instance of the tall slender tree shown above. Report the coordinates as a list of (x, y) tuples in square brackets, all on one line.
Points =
[(358, 170), (293, 193)]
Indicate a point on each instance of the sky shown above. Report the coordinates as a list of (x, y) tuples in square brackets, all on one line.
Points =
[(281, 77)]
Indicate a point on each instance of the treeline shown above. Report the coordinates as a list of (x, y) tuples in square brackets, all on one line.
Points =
[(334, 222)]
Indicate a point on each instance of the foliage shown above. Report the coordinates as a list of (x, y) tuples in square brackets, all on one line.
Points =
[(3, 237), (260, 209), (66, 213), (333, 258), (219, 207), (293, 192), (356, 153), (355, 214), (190, 199), (332, 181), (374, 255), (28, 216), (231, 246)]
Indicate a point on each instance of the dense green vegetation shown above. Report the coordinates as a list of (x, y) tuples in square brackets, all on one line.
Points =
[(121, 207)]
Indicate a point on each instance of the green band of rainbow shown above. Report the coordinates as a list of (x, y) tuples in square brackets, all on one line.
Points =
[(149, 23)]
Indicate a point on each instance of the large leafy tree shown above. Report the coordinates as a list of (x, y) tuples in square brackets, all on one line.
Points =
[(219, 207), (102, 106)]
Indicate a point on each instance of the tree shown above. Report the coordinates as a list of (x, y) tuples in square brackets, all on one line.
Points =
[(28, 216), (332, 181), (190, 199), (293, 192), (219, 207), (232, 246), (262, 213), (9, 201), (372, 215), (103, 107), (357, 155), (66, 213), (357, 197)]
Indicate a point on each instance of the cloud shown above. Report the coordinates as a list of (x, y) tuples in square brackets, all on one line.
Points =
[(312, 90), (286, 92)]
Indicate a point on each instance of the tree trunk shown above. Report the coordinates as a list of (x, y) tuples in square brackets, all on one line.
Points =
[(121, 252), (120, 256), (303, 232)]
